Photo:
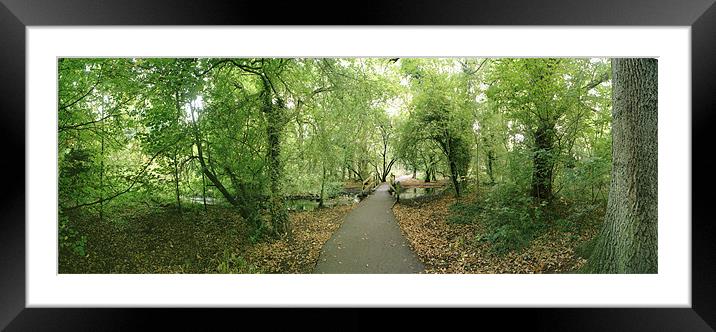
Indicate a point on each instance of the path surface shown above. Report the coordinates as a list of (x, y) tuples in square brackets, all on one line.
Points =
[(369, 241)]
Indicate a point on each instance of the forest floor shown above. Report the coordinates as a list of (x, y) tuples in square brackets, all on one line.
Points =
[(454, 248), (369, 241), (367, 237), (158, 240)]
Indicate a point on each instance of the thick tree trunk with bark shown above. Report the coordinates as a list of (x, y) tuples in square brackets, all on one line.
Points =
[(628, 239), (277, 208), (542, 163)]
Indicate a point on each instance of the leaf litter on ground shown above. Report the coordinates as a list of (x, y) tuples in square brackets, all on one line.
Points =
[(162, 241), (454, 248)]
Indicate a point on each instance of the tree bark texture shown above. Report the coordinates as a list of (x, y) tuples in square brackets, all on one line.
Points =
[(628, 239)]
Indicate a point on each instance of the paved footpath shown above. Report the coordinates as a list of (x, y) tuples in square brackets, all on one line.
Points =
[(369, 241)]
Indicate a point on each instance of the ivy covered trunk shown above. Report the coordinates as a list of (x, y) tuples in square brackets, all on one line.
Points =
[(277, 207), (628, 239), (490, 162), (542, 163)]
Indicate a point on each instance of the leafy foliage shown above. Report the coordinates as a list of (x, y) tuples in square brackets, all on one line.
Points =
[(525, 143), (70, 238)]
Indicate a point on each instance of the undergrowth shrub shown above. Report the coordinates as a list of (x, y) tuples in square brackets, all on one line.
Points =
[(69, 238), (510, 218)]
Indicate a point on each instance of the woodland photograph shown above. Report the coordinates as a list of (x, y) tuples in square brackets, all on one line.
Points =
[(374, 165)]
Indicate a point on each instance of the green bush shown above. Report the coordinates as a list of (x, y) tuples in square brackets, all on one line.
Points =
[(70, 238), (464, 213), (333, 188), (506, 238), (510, 217)]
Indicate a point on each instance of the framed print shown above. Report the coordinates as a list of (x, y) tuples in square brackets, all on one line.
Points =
[(51, 48)]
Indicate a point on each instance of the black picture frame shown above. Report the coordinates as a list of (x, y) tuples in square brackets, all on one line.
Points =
[(15, 15)]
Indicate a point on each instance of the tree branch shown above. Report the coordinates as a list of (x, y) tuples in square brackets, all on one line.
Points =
[(63, 107), (75, 126), (597, 80)]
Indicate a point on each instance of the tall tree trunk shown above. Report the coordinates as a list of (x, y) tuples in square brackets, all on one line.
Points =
[(449, 149), (203, 187), (101, 174), (490, 162), (274, 116), (543, 162), (177, 104), (75, 178), (176, 181), (455, 177), (628, 239), (323, 185), (477, 162), (386, 170), (385, 149)]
